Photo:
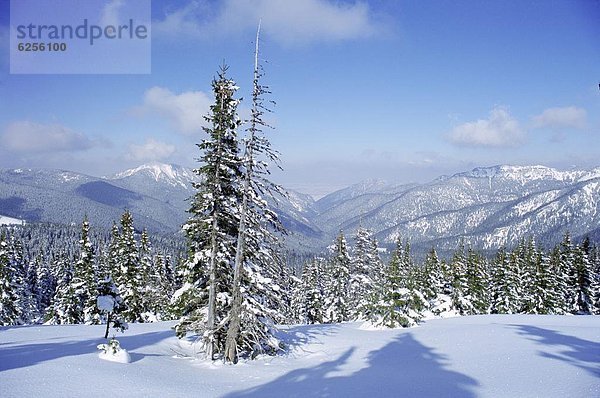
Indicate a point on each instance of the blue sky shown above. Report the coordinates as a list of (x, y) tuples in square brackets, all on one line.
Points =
[(404, 91)]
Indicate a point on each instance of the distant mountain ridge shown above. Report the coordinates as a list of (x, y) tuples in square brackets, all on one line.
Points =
[(487, 206)]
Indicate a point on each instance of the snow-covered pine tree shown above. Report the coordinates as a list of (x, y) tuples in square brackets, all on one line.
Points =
[(545, 297), (168, 266), (130, 280), (284, 280), (558, 282), (461, 301), (205, 298), (366, 270), (400, 302), (109, 266), (9, 314), (32, 283), (312, 291), (151, 276), (526, 260), (584, 278), (568, 270), (45, 285), (336, 280), (432, 275), (596, 280), (257, 259), (162, 286), (25, 302), (65, 307), (84, 277), (506, 282), (436, 284), (499, 289), (297, 302), (477, 282), (111, 305)]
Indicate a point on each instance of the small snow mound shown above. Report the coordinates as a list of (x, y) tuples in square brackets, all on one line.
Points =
[(122, 356), (113, 352)]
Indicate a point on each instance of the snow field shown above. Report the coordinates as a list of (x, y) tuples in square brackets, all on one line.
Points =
[(475, 356)]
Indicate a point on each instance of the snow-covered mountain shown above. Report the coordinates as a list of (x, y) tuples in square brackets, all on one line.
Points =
[(167, 174), (487, 206), (155, 193), (65, 197)]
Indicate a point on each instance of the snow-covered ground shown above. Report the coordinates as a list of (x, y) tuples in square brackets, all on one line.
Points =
[(478, 356), (4, 220)]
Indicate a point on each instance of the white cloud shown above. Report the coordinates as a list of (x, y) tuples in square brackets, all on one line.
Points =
[(150, 150), (555, 118), (500, 129), (110, 13), (26, 136), (287, 22), (185, 111)]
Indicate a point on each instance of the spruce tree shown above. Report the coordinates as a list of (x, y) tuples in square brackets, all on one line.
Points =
[(162, 287), (150, 279), (84, 278), (312, 292), (111, 305), (559, 282), (595, 288), (336, 283), (366, 270), (477, 283), (297, 302), (9, 314), (545, 297), (436, 285), (32, 283), (433, 277), (568, 270), (110, 266), (65, 307), (212, 229), (25, 303), (130, 281), (461, 301), (400, 302), (584, 278), (45, 285), (257, 259)]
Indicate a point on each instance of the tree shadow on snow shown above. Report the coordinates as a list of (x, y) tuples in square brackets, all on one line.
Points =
[(295, 337), (582, 353), (403, 368), (24, 355)]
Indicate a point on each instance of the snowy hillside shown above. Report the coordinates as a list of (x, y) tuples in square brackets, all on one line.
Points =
[(477, 356)]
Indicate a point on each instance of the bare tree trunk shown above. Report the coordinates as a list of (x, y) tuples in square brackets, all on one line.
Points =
[(212, 288), (233, 330), (107, 325)]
